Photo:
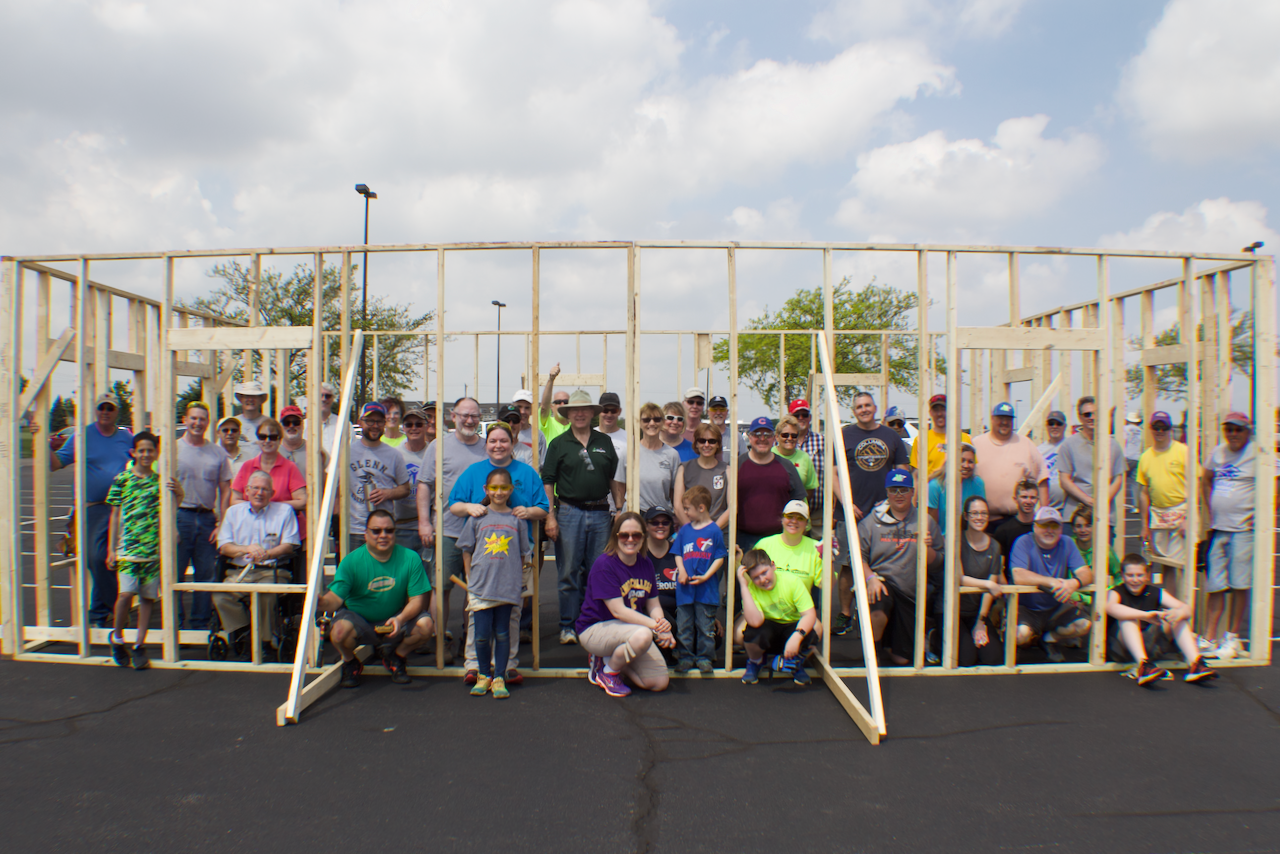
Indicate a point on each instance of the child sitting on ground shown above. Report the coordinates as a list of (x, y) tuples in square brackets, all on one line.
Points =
[(779, 618), (495, 550), (133, 537), (700, 552), (1144, 619)]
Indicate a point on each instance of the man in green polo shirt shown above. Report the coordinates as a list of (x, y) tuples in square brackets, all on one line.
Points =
[(380, 583), (578, 476)]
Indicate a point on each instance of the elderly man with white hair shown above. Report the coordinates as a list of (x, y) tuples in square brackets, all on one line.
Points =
[(257, 536)]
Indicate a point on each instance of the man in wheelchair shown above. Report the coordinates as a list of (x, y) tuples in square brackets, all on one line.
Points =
[(256, 539)]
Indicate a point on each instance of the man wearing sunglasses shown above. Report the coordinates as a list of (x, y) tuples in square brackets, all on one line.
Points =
[(108, 449), (1056, 426), (1162, 495), (381, 583), (695, 402), (766, 483), (1229, 485), (251, 396), (293, 447), (1075, 467), (551, 420)]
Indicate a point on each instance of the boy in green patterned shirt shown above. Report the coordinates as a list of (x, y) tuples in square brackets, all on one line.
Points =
[(133, 539)]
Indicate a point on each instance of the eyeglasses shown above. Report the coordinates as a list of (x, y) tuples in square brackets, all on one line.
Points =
[(230, 429), (718, 410), (106, 407), (674, 417), (801, 413), (1235, 428), (794, 517), (694, 400), (415, 424), (499, 487), (900, 490), (382, 532), (1160, 428), (560, 402), (610, 411), (1057, 424), (762, 434), (326, 396), (660, 522), (466, 416), (268, 437), (788, 435), (1087, 414), (291, 422), (979, 514), (895, 424), (630, 536), (707, 441), (653, 420)]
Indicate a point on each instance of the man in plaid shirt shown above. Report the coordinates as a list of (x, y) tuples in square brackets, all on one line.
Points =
[(811, 443)]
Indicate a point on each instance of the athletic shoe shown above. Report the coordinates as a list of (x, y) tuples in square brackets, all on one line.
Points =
[(1206, 647), (684, 665), (120, 654), (1148, 672), (568, 636), (351, 671), (469, 678), (140, 661), (499, 688), (1230, 647), (1050, 643), (594, 665), (481, 687), (799, 675), (705, 666), (526, 636), (843, 623), (612, 683), (514, 677), (396, 664), (751, 673), (1199, 672)]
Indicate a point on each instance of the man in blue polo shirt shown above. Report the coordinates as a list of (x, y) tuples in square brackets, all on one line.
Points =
[(1046, 559), (108, 448)]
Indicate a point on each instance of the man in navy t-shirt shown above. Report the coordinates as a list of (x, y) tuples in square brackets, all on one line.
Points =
[(1046, 559)]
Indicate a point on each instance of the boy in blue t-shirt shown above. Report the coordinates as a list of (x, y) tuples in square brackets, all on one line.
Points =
[(700, 552)]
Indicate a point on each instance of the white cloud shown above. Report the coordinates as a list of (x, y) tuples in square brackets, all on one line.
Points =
[(966, 185), (1211, 225), (847, 21), (1207, 83)]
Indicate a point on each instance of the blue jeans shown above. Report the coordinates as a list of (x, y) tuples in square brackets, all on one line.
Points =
[(102, 598), (195, 550), (583, 536), (696, 631), (493, 636)]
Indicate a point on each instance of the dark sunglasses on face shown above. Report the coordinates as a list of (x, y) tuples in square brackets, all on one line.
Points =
[(660, 523), (291, 422), (415, 424), (560, 402), (653, 420), (707, 442), (610, 411), (1235, 428), (326, 396), (788, 435), (106, 407), (1086, 414), (1160, 428), (1057, 424), (382, 532), (268, 437)]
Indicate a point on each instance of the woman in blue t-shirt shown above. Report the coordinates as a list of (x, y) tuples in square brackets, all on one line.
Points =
[(621, 624)]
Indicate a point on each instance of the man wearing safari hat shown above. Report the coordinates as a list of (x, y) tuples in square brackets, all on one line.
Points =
[(251, 396), (578, 476)]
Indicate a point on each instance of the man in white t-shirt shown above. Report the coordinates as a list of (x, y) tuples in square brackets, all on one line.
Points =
[(1229, 485), (1056, 424)]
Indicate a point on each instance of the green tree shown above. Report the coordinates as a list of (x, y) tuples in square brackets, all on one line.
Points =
[(57, 415), (287, 301), (124, 393), (876, 306), (189, 394), (1171, 380)]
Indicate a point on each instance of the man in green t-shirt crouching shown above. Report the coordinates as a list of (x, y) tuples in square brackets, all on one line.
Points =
[(380, 584)]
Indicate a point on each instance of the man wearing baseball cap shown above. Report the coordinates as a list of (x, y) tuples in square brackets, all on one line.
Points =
[(766, 482), (108, 449), (1229, 484), (379, 476), (888, 537), (810, 442), (1056, 426), (731, 441), (695, 402), (936, 436), (1005, 459), (1162, 493), (522, 400), (610, 409), (1046, 559), (294, 445), (251, 396)]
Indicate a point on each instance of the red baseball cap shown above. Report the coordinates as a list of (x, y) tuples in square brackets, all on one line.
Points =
[(290, 410), (798, 404), (936, 399)]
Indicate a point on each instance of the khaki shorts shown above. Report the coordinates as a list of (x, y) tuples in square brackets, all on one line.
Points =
[(603, 638)]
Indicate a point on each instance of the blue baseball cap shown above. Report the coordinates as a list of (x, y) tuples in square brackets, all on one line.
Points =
[(1003, 408), (373, 409), (761, 423), (899, 477), (895, 414)]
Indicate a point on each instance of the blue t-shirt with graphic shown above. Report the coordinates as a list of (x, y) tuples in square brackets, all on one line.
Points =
[(698, 548)]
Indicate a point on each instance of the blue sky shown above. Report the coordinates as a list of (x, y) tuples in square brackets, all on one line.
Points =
[(149, 126)]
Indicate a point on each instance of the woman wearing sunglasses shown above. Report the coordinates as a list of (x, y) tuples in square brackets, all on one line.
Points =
[(658, 461), (290, 484), (706, 470), (621, 624), (673, 421), (787, 435)]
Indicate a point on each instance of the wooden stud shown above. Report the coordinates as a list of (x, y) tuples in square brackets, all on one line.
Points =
[(924, 388), (951, 554), (11, 619), (731, 587), (170, 572), (535, 431), (83, 407), (1188, 335), (1101, 367), (40, 455), (1264, 418), (437, 583)]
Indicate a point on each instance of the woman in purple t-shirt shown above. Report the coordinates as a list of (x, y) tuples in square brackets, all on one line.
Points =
[(621, 619)]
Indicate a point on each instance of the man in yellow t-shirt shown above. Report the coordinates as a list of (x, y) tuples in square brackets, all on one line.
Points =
[(1162, 499), (937, 436)]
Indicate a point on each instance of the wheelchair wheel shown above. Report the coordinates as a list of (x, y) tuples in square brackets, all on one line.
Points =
[(218, 648), (288, 642)]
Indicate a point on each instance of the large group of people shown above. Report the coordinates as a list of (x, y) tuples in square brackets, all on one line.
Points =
[(641, 587)]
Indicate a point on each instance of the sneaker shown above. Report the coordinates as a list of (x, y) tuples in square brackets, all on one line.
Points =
[(469, 678), (594, 665), (843, 622), (799, 675), (140, 660), (499, 688), (751, 673), (1199, 671), (526, 636), (514, 677), (396, 664), (705, 665), (120, 654), (481, 687), (1206, 647), (1050, 643), (1148, 672), (351, 671), (612, 683), (684, 665), (568, 636), (1230, 647)]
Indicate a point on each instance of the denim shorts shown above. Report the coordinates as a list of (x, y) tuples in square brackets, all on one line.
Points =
[(1230, 561)]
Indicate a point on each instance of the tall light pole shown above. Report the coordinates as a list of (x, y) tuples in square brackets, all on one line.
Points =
[(363, 189), (497, 385)]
